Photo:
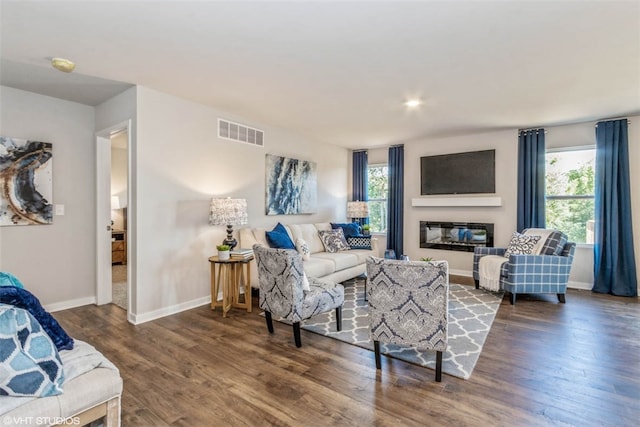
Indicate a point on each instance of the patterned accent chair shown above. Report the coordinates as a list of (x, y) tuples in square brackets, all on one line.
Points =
[(408, 305), (533, 274), (282, 294)]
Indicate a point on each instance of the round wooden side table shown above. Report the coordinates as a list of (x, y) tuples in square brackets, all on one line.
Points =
[(231, 274)]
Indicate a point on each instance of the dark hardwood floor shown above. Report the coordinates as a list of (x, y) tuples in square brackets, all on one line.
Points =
[(543, 363)]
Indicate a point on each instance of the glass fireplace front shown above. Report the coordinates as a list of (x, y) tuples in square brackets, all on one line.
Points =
[(455, 236)]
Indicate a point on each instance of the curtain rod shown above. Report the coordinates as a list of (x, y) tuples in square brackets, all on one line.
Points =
[(615, 118), (532, 129)]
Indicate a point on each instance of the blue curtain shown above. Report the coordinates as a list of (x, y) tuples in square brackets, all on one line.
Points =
[(614, 258), (360, 179), (531, 179), (395, 227)]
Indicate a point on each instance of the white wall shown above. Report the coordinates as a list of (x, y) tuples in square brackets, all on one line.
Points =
[(56, 262), (181, 165), (503, 217)]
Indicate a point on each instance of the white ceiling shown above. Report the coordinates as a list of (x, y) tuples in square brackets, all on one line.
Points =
[(339, 72)]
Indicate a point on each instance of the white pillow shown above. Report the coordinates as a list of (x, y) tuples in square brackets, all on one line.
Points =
[(303, 249), (522, 244), (305, 283)]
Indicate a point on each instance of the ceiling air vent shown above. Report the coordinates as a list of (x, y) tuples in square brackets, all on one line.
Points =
[(241, 133)]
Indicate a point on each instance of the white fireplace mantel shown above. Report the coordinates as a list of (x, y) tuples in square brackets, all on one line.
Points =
[(457, 201)]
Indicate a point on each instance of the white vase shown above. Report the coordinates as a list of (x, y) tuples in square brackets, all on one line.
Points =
[(223, 255)]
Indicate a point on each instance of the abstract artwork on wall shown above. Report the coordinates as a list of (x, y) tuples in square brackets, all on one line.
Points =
[(292, 186), (26, 184)]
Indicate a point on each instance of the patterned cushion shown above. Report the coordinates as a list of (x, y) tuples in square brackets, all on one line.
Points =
[(22, 298), (279, 238), (521, 244), (554, 244), (8, 279), (29, 362), (359, 242), (303, 249), (408, 302), (333, 240), (350, 229), (281, 277)]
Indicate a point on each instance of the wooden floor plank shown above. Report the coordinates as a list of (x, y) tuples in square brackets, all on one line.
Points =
[(543, 363)]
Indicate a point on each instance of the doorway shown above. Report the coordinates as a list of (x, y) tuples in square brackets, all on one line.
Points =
[(115, 264), (119, 191)]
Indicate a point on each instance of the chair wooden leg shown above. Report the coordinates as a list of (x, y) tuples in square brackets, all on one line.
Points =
[(339, 318), (296, 334), (267, 316), (438, 366), (561, 298), (376, 350), (513, 298), (477, 282)]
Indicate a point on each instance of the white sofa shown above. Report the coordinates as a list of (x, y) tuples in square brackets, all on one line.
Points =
[(336, 267)]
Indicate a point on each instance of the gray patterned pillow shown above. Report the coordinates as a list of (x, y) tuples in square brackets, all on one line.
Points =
[(333, 240), (521, 244)]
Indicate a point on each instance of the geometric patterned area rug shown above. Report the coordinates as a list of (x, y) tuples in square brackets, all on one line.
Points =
[(471, 313)]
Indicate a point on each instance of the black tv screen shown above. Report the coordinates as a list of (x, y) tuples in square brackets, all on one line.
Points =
[(459, 173)]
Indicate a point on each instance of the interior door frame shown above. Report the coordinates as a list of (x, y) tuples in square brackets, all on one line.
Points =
[(103, 212)]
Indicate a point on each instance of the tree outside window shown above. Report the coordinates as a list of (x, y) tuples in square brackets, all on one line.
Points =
[(378, 189), (570, 192)]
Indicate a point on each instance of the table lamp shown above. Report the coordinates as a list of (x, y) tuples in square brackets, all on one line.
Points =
[(228, 212)]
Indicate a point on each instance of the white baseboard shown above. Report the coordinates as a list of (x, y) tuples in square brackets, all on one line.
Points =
[(466, 273), (137, 319), (579, 285), (64, 305)]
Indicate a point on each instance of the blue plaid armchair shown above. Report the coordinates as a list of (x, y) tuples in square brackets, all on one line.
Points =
[(284, 293), (533, 274)]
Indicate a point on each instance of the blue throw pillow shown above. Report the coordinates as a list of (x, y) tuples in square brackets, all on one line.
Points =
[(22, 298), (29, 362), (279, 238), (350, 229), (8, 279)]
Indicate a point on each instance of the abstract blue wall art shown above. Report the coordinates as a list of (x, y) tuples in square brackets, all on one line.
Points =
[(26, 184), (292, 186)]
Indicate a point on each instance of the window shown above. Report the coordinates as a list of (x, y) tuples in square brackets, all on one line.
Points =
[(570, 189), (378, 188)]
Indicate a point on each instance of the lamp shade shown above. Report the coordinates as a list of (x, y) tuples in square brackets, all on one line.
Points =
[(228, 212), (357, 210)]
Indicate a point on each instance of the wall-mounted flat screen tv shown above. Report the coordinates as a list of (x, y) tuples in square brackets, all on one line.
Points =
[(459, 173)]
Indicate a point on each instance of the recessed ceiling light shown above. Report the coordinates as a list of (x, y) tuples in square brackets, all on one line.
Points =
[(413, 103), (63, 64)]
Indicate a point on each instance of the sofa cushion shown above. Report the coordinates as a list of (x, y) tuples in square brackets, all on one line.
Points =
[(333, 240), (309, 233), (29, 361), (359, 242), (8, 279), (318, 267), (22, 298), (341, 260), (350, 229), (521, 244), (279, 238)]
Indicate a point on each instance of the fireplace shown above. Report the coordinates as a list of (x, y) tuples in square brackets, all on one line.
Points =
[(455, 236)]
